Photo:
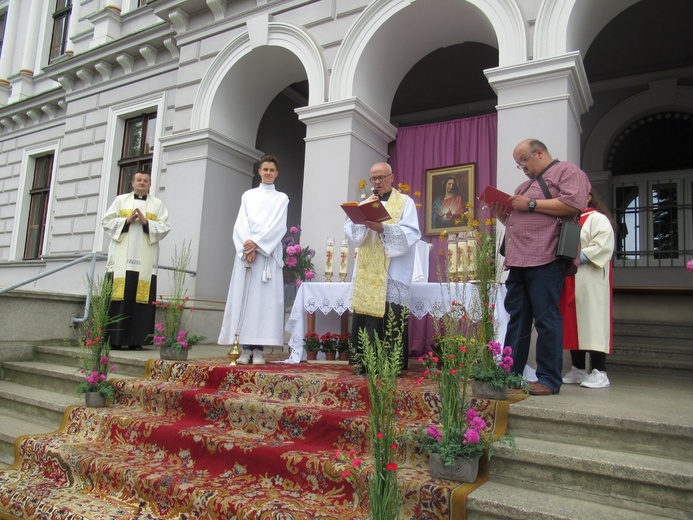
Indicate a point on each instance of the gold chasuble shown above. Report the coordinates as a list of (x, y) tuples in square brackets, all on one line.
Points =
[(370, 285)]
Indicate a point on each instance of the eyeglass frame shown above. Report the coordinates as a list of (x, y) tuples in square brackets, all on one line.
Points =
[(380, 178), (523, 162)]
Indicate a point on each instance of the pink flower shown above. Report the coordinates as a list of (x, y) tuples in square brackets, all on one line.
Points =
[(346, 474), (291, 261), (471, 437), (420, 380), (309, 274), (293, 229), (298, 283), (103, 361), (433, 432), (391, 466), (181, 336), (689, 265)]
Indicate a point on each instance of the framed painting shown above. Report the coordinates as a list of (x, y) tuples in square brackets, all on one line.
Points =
[(447, 192)]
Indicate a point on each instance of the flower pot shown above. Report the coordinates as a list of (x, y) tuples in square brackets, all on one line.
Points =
[(311, 355), (462, 470), (484, 390), (171, 353), (330, 356), (94, 400), (344, 355)]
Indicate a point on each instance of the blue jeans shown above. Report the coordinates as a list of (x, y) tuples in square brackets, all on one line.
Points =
[(532, 296)]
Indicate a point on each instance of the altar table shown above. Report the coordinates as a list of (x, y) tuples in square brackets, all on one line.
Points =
[(427, 299)]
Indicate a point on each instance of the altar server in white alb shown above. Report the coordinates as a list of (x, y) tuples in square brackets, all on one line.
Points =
[(385, 262), (136, 223), (255, 304)]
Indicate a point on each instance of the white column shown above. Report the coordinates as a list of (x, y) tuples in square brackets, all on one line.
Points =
[(543, 99), (343, 140), (72, 29), (32, 37), (11, 26)]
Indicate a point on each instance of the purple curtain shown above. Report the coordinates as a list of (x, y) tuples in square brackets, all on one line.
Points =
[(419, 148)]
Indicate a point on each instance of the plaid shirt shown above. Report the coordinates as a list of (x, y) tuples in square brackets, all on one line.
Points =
[(531, 239)]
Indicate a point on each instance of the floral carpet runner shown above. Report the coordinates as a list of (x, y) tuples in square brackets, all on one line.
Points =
[(204, 440)]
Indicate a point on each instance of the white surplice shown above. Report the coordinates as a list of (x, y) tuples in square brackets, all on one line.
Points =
[(399, 241), (262, 219)]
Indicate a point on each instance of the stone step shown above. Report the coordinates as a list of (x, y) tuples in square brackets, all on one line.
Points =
[(12, 427), (650, 485), (41, 406), (629, 435), (36, 374), (126, 365), (679, 334), (497, 501)]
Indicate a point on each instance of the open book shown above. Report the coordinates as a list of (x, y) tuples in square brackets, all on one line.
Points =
[(492, 195), (358, 214)]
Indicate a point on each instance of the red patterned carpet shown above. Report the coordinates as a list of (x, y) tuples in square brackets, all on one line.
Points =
[(204, 440)]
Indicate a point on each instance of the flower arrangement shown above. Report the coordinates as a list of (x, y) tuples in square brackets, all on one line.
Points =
[(298, 261), (494, 367), (311, 342), (169, 333), (328, 342), (95, 362), (381, 359)]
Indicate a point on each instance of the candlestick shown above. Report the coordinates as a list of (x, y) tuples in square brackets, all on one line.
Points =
[(461, 258), (452, 256), (329, 258)]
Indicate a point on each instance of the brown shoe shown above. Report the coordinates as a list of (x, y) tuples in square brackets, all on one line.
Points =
[(539, 389)]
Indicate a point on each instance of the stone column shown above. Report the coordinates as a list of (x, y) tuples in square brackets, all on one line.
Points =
[(543, 99), (343, 140), (11, 26)]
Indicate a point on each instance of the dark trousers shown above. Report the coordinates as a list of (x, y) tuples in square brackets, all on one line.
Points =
[(597, 359), (374, 326), (532, 297)]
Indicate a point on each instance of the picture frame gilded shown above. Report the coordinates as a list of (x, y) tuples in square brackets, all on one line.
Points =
[(448, 190)]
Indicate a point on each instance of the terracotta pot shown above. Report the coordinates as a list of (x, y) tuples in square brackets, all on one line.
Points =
[(484, 390), (94, 400), (171, 354), (330, 356), (462, 470), (344, 355), (311, 355)]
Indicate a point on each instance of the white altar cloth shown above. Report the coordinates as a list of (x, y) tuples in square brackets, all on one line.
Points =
[(426, 299)]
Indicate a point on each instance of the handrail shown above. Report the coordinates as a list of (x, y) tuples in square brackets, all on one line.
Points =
[(92, 257)]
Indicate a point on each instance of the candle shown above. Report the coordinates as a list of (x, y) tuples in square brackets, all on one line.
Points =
[(329, 256), (344, 258), (452, 254), (461, 257), (471, 265)]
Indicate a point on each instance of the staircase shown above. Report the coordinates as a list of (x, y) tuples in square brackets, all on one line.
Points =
[(35, 394), (644, 347), (594, 461)]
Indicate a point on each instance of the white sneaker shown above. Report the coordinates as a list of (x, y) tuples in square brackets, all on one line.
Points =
[(596, 379), (257, 357), (244, 358), (575, 376)]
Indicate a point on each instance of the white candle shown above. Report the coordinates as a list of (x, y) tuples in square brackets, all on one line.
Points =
[(461, 256), (344, 258), (452, 254), (329, 256), (471, 245)]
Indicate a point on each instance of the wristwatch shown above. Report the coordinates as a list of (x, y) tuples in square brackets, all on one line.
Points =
[(531, 205)]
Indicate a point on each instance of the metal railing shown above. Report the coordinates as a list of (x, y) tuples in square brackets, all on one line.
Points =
[(92, 258)]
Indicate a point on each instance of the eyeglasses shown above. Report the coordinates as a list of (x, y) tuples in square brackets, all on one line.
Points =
[(523, 162), (379, 179)]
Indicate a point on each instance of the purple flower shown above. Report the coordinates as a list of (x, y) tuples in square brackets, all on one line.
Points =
[(310, 253), (433, 432)]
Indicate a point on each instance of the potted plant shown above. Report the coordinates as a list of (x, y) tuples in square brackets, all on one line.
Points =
[(311, 344), (173, 341), (344, 346), (491, 374), (328, 344), (95, 361), (298, 261)]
